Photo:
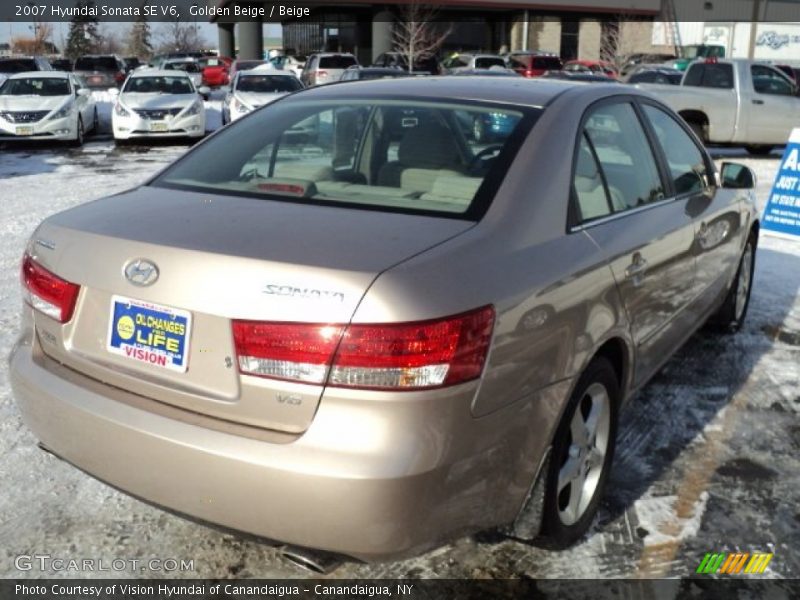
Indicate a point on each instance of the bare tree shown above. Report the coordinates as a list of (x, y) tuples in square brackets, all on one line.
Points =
[(177, 36), (417, 35), (108, 42), (618, 41)]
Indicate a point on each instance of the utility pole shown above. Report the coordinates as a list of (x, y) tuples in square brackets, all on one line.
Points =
[(751, 49)]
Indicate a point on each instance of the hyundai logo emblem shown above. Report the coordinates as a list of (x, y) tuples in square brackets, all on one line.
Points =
[(141, 272)]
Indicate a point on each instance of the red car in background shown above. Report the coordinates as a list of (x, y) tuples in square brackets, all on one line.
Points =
[(533, 64), (596, 67), (216, 70)]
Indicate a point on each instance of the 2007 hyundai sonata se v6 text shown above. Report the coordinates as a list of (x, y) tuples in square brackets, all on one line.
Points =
[(344, 324)]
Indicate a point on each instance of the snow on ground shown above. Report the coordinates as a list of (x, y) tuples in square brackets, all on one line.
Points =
[(708, 453)]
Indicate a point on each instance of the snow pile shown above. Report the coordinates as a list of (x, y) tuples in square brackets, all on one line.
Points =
[(657, 515)]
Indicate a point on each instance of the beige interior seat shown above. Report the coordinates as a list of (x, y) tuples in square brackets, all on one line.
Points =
[(425, 152)]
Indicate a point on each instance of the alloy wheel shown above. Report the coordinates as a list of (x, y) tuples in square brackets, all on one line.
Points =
[(584, 459)]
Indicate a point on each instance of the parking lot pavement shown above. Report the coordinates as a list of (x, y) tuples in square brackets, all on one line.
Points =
[(708, 453)]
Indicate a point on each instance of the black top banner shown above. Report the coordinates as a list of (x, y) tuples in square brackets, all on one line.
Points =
[(25, 11)]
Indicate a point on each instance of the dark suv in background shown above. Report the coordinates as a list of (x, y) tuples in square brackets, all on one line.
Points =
[(101, 70), (21, 64), (428, 65)]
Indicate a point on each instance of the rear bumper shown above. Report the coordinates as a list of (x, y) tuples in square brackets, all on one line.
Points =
[(371, 480)]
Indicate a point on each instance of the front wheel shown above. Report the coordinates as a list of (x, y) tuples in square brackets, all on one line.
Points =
[(730, 316), (79, 133), (582, 452)]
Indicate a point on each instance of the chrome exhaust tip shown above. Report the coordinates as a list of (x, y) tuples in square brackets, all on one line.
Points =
[(313, 561)]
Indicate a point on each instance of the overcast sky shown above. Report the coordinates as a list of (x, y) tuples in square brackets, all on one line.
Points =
[(61, 30)]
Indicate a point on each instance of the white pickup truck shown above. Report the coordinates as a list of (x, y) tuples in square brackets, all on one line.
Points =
[(735, 101)]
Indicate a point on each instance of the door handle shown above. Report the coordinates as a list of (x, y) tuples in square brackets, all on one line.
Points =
[(637, 267), (757, 101)]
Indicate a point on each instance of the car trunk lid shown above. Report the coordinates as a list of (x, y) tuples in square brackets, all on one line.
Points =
[(218, 259)]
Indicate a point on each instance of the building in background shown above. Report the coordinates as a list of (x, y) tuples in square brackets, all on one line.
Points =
[(587, 29), (364, 27)]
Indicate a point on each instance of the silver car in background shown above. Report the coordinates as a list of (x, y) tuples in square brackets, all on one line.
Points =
[(344, 324), (256, 87)]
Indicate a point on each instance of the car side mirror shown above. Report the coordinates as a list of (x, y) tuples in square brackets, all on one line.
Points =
[(83, 92), (204, 91), (113, 91), (736, 176)]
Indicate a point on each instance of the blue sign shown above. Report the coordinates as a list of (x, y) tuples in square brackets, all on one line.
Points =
[(782, 213)]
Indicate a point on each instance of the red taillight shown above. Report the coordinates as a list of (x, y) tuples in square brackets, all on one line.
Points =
[(528, 73), (47, 292), (322, 74), (401, 356), (119, 77)]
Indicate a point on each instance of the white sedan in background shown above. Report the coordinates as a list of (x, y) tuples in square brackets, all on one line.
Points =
[(256, 87), (46, 105), (158, 103)]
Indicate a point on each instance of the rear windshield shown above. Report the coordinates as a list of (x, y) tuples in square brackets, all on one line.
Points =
[(35, 86), (486, 62), (96, 63), (268, 84), (188, 67), (422, 157), (179, 84), (336, 62), (17, 65), (244, 65)]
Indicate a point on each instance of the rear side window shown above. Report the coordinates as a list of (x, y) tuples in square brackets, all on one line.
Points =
[(336, 62), (687, 165), (625, 157), (710, 75), (588, 186), (487, 62), (17, 65), (550, 63)]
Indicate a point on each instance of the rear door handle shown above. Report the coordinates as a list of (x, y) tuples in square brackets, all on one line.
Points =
[(637, 267), (758, 101)]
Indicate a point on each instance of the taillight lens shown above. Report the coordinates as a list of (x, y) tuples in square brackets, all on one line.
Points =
[(46, 292), (402, 356), (119, 77), (528, 73)]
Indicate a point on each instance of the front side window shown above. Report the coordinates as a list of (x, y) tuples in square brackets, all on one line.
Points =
[(626, 159), (381, 154), (687, 166), (769, 81)]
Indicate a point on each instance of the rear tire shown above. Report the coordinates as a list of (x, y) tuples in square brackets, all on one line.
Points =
[(582, 452), (730, 316), (699, 130)]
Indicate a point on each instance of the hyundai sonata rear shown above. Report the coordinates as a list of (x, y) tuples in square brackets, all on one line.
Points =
[(344, 323)]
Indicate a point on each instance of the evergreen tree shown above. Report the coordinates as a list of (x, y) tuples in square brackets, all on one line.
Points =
[(83, 36), (139, 38)]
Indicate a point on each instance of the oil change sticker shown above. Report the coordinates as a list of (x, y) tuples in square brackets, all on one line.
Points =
[(149, 333)]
